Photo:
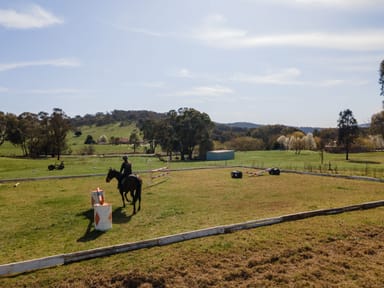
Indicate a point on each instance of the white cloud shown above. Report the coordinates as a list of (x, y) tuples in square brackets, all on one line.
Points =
[(205, 91), (3, 89), (290, 76), (44, 91), (214, 32), (34, 17), (138, 30), (184, 73), (57, 91), (334, 4), (340, 3), (146, 84), (60, 62), (153, 84), (282, 77)]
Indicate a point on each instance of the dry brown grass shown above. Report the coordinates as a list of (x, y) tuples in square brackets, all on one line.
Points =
[(332, 251)]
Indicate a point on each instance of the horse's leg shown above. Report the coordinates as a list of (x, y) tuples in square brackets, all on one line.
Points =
[(133, 193), (122, 198), (138, 192), (126, 197)]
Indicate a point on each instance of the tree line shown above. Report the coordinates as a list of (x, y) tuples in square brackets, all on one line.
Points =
[(188, 133), (36, 134)]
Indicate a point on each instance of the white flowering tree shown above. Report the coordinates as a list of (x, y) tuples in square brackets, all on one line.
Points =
[(283, 142), (296, 141), (309, 142)]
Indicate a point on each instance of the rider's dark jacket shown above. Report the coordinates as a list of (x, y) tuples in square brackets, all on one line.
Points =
[(126, 169)]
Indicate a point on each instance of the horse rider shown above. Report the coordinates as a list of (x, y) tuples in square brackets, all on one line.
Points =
[(125, 170)]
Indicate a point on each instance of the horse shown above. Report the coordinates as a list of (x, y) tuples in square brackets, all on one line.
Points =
[(132, 184)]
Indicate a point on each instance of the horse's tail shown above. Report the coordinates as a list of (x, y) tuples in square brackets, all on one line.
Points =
[(139, 184)]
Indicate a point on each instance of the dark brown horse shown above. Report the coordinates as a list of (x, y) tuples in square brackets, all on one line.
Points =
[(132, 184)]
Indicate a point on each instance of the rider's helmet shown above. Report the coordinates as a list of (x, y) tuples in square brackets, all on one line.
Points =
[(125, 157)]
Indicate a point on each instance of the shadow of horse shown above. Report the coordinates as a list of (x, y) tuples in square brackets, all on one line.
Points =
[(118, 217)]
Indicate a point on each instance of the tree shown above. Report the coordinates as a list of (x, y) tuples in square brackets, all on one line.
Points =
[(166, 134), (59, 126), (14, 132), (45, 145), (24, 132), (296, 141), (325, 137), (192, 128), (309, 142), (3, 127), (377, 124), (134, 139), (150, 129), (348, 130), (89, 140), (283, 142), (270, 133), (245, 143), (182, 131), (205, 145), (103, 139), (381, 78)]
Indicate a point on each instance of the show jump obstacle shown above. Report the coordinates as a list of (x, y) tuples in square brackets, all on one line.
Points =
[(159, 175), (102, 211)]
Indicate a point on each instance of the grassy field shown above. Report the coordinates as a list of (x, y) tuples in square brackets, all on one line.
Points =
[(362, 164), (48, 217), (54, 216)]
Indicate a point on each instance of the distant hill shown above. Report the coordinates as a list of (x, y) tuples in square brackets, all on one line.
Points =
[(249, 125), (307, 130), (142, 115), (246, 125)]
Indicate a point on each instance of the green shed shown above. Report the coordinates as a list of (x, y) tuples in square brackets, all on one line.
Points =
[(221, 155)]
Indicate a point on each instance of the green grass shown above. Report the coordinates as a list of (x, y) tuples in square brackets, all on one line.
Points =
[(110, 130), (48, 217), (361, 164), (42, 218)]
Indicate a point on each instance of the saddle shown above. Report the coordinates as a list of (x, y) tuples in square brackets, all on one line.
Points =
[(124, 178)]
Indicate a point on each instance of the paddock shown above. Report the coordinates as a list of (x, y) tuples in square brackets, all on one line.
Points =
[(59, 221)]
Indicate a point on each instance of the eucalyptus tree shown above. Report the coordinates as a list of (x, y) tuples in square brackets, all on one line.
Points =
[(166, 135), (3, 127), (151, 129), (192, 128), (347, 130), (25, 133), (14, 133), (59, 125), (134, 139), (381, 78)]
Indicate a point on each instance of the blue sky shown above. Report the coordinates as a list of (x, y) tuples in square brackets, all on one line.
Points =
[(292, 62)]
